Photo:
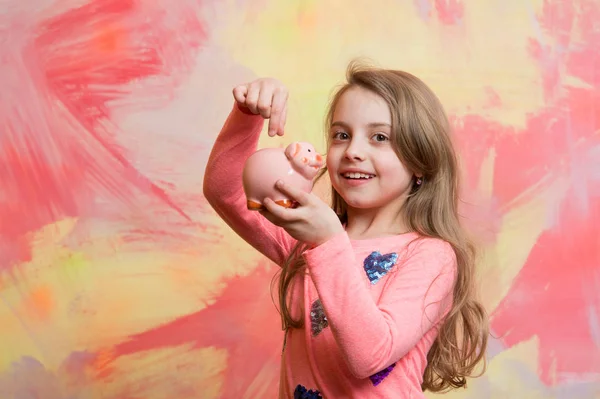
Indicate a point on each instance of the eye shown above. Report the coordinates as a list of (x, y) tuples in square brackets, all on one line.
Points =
[(380, 137), (341, 136), (309, 150)]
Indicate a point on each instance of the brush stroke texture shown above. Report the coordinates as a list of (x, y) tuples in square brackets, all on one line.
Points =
[(151, 310), (57, 147)]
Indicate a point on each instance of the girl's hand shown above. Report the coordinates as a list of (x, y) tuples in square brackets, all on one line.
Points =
[(313, 222), (267, 97)]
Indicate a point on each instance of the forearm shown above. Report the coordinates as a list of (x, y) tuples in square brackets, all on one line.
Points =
[(223, 186)]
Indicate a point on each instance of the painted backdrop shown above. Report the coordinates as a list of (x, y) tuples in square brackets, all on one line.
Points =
[(117, 281)]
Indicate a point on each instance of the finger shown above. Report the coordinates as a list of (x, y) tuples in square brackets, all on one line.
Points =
[(252, 97), (270, 217), (300, 196), (281, 129), (277, 108), (277, 214), (265, 100), (239, 93)]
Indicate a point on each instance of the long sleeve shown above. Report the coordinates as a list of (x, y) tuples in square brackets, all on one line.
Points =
[(416, 295), (224, 191)]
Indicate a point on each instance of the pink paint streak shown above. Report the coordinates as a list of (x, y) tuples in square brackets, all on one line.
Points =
[(551, 298), (449, 12), (552, 284), (493, 100), (57, 147), (242, 320)]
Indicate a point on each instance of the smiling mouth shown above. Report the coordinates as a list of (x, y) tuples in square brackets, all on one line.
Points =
[(357, 176)]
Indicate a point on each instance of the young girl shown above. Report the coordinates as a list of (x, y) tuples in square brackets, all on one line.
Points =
[(376, 295)]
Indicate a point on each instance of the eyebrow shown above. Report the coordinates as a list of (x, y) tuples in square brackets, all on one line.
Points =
[(371, 125)]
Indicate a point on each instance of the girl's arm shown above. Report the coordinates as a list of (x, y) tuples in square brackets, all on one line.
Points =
[(417, 293), (223, 188)]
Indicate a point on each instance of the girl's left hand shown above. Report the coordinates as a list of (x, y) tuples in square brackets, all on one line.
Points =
[(312, 222)]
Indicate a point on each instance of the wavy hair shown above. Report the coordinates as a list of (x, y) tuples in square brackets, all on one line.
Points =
[(422, 141)]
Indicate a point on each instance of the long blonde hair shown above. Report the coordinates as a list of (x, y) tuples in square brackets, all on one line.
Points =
[(422, 141)]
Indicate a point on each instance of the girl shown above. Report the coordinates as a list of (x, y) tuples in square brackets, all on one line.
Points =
[(376, 295)]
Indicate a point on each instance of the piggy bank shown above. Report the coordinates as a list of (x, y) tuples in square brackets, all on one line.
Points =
[(296, 165)]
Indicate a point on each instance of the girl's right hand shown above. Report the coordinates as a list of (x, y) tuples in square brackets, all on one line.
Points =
[(267, 97)]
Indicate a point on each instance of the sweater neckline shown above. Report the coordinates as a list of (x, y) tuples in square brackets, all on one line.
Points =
[(384, 240)]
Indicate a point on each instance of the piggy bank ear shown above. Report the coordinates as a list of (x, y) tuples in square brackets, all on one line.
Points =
[(292, 150)]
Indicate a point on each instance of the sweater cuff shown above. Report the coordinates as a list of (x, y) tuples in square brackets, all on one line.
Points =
[(243, 119), (245, 109), (331, 249)]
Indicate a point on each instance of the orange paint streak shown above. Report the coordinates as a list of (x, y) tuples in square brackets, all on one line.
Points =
[(40, 303), (110, 39), (101, 365)]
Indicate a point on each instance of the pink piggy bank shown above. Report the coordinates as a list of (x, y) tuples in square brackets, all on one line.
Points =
[(297, 166)]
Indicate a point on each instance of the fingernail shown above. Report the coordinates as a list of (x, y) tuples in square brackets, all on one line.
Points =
[(279, 183)]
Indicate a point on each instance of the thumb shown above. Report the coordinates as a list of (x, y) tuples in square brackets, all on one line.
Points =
[(239, 93)]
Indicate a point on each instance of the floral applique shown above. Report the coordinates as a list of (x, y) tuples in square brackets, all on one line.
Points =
[(377, 265), (377, 378), (303, 393), (318, 320)]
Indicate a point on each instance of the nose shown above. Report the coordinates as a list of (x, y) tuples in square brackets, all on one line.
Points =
[(355, 151)]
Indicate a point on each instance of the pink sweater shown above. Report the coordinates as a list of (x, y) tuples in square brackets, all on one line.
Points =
[(371, 306)]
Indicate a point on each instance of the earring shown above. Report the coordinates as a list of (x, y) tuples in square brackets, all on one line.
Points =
[(419, 181)]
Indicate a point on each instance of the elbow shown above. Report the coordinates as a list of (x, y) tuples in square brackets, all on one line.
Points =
[(366, 366), (208, 190), (366, 369), (378, 359), (360, 373), (371, 369)]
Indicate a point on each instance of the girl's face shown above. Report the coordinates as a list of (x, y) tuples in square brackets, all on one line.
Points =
[(362, 164)]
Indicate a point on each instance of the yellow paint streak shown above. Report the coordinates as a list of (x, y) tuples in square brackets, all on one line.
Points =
[(463, 64), (524, 221), (12, 331), (169, 373), (82, 301)]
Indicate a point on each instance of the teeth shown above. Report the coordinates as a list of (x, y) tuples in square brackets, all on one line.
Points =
[(357, 175)]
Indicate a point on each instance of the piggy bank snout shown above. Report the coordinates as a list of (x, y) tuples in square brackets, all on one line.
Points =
[(317, 162)]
